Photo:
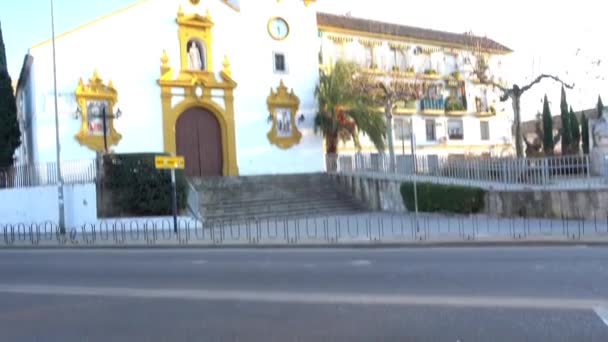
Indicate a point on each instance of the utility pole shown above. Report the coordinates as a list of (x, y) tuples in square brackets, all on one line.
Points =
[(57, 143)]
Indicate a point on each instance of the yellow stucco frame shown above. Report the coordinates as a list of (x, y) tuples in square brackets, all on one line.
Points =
[(195, 90), (197, 27), (96, 90), (283, 99)]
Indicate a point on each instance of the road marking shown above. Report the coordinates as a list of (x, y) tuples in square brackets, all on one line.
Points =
[(360, 262), (200, 262), (602, 313), (312, 297)]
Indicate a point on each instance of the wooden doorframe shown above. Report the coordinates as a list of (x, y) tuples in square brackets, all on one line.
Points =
[(194, 90), (228, 151), (197, 112)]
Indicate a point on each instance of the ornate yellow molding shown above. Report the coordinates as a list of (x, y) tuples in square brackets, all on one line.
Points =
[(398, 46), (340, 39), (369, 42), (93, 98), (196, 87), (283, 106), (326, 29), (308, 2), (196, 42), (226, 65)]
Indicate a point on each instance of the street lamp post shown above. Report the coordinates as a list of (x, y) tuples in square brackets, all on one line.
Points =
[(104, 117), (57, 143)]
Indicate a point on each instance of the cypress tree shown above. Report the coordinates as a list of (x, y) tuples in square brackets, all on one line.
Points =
[(547, 128), (585, 133), (576, 132), (566, 129), (10, 137), (600, 107)]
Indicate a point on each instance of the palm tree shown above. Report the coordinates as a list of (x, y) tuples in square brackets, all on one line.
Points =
[(345, 110)]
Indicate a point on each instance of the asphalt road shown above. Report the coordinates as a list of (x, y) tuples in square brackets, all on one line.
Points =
[(433, 294)]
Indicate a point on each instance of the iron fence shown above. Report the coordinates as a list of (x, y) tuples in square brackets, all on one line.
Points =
[(72, 172), (364, 229), (563, 171)]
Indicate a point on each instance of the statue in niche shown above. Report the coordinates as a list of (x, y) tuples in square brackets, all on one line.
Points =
[(195, 56)]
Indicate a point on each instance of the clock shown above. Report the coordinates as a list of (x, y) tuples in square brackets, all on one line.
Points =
[(278, 28)]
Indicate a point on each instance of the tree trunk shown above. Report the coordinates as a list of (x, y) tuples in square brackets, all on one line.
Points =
[(519, 144), (388, 112), (331, 144), (331, 152)]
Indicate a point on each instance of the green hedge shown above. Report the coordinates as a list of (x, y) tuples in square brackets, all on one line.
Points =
[(443, 198), (137, 188)]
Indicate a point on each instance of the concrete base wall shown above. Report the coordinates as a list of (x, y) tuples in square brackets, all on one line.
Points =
[(377, 194), (384, 195), (587, 204)]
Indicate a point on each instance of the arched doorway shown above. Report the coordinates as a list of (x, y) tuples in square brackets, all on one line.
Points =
[(198, 139)]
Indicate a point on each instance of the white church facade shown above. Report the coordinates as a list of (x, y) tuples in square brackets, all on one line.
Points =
[(228, 85)]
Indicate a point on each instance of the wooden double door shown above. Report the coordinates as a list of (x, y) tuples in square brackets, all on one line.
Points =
[(198, 139)]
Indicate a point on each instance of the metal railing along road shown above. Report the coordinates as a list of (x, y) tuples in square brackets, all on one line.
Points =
[(72, 172), (561, 171), (362, 229)]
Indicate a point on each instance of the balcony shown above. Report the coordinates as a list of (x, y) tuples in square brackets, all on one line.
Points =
[(455, 106), (432, 106), (430, 74), (483, 110), (403, 72), (405, 107)]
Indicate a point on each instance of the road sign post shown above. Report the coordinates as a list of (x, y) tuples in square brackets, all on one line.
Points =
[(174, 200), (171, 163)]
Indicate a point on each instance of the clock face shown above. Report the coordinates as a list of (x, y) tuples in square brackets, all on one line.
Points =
[(278, 28)]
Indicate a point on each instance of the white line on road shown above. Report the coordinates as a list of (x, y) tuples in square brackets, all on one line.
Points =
[(312, 298), (602, 313), (360, 262)]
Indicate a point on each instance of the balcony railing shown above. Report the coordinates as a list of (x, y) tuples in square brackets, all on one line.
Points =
[(432, 106)]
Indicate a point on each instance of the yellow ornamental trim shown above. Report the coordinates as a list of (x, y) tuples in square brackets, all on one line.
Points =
[(283, 106), (340, 39), (398, 46), (370, 42), (96, 95), (430, 50)]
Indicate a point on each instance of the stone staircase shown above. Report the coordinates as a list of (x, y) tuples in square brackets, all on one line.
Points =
[(273, 196)]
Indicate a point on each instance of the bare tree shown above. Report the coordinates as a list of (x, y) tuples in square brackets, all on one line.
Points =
[(386, 90), (478, 49)]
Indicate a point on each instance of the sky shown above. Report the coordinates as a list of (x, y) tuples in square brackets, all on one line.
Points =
[(545, 34)]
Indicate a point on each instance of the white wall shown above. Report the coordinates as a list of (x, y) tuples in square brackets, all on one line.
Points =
[(40, 205), (253, 70), (127, 47)]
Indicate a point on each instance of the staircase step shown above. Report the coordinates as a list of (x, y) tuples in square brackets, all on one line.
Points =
[(230, 199), (266, 198), (278, 217), (280, 208)]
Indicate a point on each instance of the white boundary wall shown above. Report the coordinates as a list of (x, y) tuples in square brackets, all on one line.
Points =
[(40, 204)]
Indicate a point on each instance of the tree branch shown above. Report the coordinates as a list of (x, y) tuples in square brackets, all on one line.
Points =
[(540, 78)]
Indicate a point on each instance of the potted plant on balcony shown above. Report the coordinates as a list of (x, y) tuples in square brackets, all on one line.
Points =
[(456, 75), (454, 104)]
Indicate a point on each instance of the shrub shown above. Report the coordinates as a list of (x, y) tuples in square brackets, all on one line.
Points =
[(443, 198), (137, 188)]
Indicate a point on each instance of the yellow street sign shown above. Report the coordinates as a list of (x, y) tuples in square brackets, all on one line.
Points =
[(163, 162)]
